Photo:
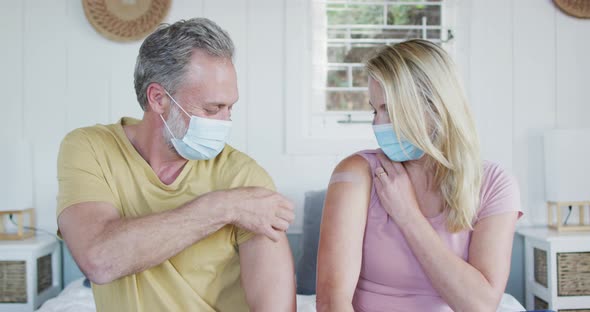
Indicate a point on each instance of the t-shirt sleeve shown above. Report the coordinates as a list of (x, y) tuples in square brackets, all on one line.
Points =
[(252, 175), (500, 193), (79, 175)]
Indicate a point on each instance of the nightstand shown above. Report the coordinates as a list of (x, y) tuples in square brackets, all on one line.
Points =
[(30, 272), (557, 269)]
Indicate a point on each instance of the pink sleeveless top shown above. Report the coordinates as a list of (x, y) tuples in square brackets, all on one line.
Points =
[(391, 278)]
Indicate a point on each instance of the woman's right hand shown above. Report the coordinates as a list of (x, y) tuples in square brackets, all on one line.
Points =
[(394, 189)]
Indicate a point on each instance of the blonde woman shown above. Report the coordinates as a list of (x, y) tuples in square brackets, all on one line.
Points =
[(422, 224)]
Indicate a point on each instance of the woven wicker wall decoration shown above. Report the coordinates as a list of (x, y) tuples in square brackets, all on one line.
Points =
[(125, 20), (577, 8)]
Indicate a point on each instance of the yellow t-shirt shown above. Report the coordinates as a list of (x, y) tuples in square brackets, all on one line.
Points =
[(99, 163)]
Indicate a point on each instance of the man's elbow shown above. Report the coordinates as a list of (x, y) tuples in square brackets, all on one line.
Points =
[(95, 267)]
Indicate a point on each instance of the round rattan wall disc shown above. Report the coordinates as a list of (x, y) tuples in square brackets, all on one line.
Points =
[(125, 20), (577, 8)]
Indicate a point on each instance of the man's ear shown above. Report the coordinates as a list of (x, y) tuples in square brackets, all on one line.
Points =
[(157, 99)]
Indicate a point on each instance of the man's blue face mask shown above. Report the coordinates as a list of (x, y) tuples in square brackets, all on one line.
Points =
[(204, 139), (395, 149)]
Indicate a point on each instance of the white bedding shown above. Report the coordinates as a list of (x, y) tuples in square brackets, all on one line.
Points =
[(77, 298), (74, 298)]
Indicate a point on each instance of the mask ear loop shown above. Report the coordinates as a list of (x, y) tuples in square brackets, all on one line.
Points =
[(166, 124), (173, 100)]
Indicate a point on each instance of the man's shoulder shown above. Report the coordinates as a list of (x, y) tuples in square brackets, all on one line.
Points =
[(238, 169), (232, 157), (91, 134)]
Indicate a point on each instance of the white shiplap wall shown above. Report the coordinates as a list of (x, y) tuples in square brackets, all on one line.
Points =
[(525, 65)]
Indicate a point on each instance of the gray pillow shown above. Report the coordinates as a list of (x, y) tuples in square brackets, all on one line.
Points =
[(307, 262)]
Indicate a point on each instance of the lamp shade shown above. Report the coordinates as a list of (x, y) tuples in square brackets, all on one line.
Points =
[(16, 185), (567, 165)]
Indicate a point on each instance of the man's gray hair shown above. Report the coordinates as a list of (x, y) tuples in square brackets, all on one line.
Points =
[(164, 54)]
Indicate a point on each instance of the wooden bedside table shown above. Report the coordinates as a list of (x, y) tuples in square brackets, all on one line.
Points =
[(557, 269), (30, 272)]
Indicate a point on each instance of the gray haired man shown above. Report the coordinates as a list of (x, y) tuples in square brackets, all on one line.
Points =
[(160, 213)]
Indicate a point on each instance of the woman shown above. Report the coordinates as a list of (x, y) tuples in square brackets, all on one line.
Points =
[(421, 224)]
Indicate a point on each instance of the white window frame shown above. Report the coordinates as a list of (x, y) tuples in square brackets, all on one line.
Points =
[(309, 131)]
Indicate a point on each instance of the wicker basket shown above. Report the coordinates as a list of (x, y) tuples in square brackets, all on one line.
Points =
[(44, 273), (577, 8), (540, 268), (13, 282), (120, 20), (573, 274), (540, 304)]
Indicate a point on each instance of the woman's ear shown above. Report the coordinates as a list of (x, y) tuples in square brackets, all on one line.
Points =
[(157, 98)]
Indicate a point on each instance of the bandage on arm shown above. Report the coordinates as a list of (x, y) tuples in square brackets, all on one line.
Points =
[(346, 177)]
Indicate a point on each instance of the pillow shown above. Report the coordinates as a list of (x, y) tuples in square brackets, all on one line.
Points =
[(307, 262)]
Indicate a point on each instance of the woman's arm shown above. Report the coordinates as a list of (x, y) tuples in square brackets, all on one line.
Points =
[(341, 235), (476, 285)]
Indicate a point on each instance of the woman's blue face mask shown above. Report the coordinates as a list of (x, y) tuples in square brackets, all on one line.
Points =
[(395, 149)]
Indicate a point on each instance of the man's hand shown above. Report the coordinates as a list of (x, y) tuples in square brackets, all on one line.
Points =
[(255, 209)]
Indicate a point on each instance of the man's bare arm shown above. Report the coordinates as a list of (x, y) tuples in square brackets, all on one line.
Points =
[(268, 276), (107, 247)]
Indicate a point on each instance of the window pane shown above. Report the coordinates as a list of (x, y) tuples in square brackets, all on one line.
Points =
[(359, 77), (337, 77), (412, 14), (347, 100), (336, 54), (433, 34), (385, 34), (359, 53), (339, 14), (336, 13), (337, 34)]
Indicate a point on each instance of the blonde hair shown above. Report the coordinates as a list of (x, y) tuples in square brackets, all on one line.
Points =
[(428, 107)]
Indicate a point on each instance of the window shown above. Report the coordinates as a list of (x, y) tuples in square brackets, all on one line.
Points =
[(339, 37), (354, 29)]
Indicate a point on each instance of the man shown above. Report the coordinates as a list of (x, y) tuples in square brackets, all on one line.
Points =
[(162, 215)]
